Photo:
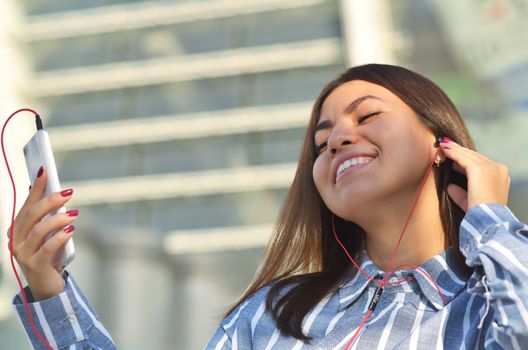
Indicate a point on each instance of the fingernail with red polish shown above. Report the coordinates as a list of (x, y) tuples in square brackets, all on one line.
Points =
[(69, 228), (72, 212), (446, 139), (67, 193), (40, 171)]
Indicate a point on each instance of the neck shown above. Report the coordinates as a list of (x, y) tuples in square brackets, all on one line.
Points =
[(423, 238)]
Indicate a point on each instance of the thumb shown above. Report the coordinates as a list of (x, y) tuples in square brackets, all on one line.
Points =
[(458, 195)]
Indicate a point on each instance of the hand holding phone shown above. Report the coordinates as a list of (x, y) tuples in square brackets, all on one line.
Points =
[(38, 153)]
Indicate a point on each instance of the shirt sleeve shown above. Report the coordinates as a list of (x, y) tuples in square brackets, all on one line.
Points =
[(67, 321), (495, 243)]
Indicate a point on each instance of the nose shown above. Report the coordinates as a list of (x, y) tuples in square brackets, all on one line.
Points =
[(343, 134), (340, 139)]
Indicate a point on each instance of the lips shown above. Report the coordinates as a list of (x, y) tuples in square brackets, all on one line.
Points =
[(351, 160)]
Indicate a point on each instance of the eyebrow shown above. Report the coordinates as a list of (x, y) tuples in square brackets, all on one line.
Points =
[(352, 106)]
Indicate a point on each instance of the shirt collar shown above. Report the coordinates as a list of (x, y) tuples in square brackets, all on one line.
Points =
[(353, 288), (449, 277), (442, 268)]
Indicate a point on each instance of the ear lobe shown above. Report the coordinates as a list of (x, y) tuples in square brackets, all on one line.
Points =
[(439, 157), (438, 160)]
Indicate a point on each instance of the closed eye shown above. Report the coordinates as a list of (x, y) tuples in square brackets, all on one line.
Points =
[(360, 120), (321, 147), (365, 117)]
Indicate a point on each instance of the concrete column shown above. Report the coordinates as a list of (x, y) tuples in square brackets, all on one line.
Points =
[(367, 31), (14, 75)]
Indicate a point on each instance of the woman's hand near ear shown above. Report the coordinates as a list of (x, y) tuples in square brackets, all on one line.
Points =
[(488, 181)]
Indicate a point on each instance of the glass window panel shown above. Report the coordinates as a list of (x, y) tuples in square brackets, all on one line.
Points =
[(42, 7), (154, 100), (266, 28), (224, 210), (183, 39), (73, 52), (303, 84), (200, 154), (305, 23), (133, 45), (223, 152), (162, 216), (112, 218), (276, 87), (96, 163), (188, 97), (87, 107)]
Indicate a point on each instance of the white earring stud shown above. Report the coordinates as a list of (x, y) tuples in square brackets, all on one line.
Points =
[(437, 161)]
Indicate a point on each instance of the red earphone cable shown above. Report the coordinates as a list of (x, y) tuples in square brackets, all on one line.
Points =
[(383, 283), (11, 230), (367, 315), (412, 210)]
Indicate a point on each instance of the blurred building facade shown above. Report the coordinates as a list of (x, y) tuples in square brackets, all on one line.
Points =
[(179, 123)]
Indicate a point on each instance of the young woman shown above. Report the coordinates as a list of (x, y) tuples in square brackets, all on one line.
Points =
[(440, 259)]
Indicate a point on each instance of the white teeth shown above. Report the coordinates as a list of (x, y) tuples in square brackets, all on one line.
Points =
[(351, 162)]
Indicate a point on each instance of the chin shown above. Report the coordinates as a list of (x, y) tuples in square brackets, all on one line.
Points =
[(347, 210), (353, 204)]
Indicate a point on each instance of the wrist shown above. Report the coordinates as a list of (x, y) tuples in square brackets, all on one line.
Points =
[(49, 289)]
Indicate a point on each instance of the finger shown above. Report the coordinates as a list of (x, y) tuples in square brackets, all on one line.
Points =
[(452, 147), (458, 195), (48, 250), (462, 161), (37, 190), (35, 194), (454, 165), (34, 214), (38, 235)]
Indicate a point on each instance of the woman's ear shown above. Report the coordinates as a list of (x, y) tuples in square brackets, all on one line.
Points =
[(437, 152)]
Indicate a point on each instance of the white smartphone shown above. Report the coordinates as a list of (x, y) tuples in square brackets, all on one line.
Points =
[(38, 152)]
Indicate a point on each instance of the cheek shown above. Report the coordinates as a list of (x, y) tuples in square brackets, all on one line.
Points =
[(320, 173)]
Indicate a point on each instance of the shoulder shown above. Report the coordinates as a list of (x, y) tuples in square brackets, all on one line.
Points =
[(240, 325), (253, 308), (244, 312)]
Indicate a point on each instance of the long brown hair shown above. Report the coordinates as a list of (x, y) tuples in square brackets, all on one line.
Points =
[(302, 252)]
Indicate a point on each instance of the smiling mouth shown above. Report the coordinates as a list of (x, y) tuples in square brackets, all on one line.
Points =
[(353, 163)]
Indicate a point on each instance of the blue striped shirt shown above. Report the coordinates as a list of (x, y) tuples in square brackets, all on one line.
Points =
[(489, 310)]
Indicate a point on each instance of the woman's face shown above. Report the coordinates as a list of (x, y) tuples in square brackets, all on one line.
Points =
[(372, 150)]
